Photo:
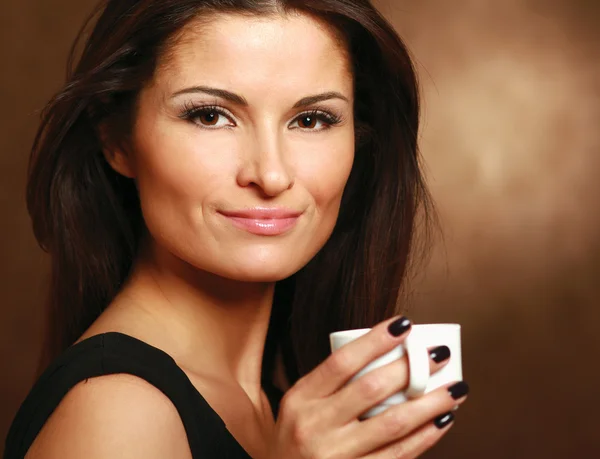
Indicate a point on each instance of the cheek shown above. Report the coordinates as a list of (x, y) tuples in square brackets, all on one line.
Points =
[(177, 160), (176, 174), (325, 173)]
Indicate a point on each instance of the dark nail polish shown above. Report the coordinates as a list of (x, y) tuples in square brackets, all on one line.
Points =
[(439, 354), (442, 421), (399, 326), (459, 390)]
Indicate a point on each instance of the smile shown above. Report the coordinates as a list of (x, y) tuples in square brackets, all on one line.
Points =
[(263, 221)]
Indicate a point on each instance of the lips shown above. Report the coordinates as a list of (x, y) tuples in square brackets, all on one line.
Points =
[(263, 221)]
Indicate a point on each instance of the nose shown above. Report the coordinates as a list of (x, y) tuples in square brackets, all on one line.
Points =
[(265, 165)]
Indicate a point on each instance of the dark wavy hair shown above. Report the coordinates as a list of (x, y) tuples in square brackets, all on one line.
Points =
[(88, 217)]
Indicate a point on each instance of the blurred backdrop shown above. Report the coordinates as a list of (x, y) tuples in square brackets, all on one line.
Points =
[(511, 141)]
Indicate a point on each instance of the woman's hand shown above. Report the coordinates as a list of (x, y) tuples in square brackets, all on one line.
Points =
[(318, 416)]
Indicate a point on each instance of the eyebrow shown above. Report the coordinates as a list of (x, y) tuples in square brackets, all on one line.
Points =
[(239, 100)]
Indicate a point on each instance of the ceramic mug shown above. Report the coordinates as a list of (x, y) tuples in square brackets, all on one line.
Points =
[(421, 338)]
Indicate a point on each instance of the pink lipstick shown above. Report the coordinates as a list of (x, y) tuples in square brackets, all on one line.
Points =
[(263, 221)]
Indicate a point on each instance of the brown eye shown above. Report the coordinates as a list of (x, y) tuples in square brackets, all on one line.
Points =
[(315, 121), (308, 121), (208, 118)]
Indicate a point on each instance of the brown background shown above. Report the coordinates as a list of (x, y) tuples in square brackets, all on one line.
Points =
[(511, 140)]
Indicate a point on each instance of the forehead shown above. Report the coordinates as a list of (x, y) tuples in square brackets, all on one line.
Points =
[(294, 51)]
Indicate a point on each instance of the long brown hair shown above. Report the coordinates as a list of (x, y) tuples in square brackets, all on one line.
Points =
[(88, 217)]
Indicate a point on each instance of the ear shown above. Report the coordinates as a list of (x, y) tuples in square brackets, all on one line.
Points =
[(117, 156), (120, 161)]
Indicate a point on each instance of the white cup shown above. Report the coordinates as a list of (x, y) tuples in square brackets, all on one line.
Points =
[(416, 344)]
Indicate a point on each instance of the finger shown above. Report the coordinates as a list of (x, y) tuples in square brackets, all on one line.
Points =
[(418, 442), (400, 420), (374, 387), (439, 354), (352, 357)]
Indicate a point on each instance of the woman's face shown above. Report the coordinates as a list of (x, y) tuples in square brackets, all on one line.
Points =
[(243, 144)]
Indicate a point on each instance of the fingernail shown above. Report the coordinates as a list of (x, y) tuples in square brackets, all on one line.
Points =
[(442, 421), (439, 354), (399, 326), (458, 390)]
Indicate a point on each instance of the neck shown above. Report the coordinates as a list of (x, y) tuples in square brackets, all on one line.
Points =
[(210, 325)]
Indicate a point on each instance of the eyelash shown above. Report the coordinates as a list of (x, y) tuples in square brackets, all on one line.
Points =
[(192, 111)]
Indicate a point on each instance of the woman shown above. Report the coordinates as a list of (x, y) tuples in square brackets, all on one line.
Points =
[(220, 185)]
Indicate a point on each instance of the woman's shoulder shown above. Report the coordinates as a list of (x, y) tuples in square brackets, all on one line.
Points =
[(110, 386), (115, 415)]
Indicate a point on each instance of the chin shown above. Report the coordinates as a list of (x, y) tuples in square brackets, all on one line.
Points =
[(264, 272), (260, 263)]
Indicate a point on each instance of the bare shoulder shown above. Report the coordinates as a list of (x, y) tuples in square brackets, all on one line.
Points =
[(112, 416)]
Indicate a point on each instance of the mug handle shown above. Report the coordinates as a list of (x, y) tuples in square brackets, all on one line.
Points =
[(418, 364)]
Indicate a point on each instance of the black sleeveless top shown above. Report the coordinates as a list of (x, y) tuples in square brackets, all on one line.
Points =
[(114, 352)]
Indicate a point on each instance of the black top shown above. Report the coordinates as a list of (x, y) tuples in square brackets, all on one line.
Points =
[(111, 353)]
